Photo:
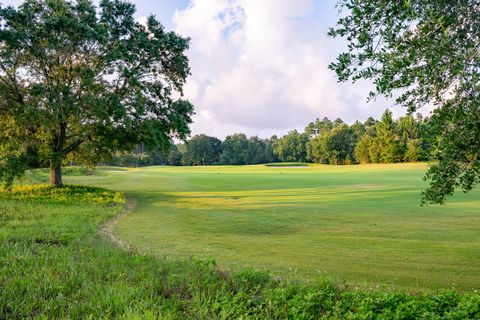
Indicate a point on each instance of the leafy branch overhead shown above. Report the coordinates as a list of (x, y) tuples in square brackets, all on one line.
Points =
[(85, 81), (425, 53)]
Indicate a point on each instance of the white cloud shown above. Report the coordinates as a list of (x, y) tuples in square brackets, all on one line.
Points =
[(260, 67)]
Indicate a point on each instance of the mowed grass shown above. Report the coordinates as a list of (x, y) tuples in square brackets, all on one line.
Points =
[(362, 224)]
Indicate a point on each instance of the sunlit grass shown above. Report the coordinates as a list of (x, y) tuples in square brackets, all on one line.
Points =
[(57, 262), (74, 194), (359, 224)]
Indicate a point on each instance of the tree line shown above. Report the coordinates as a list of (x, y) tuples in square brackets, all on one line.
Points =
[(324, 141)]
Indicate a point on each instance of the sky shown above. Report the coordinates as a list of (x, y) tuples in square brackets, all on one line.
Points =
[(260, 67)]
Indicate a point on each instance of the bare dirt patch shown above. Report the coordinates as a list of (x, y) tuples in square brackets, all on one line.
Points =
[(108, 227)]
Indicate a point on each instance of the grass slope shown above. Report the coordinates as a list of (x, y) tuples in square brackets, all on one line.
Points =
[(359, 224), (54, 264)]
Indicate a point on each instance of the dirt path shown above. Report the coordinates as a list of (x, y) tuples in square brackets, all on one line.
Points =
[(107, 228)]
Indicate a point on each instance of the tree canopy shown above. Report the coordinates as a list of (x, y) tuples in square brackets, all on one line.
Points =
[(82, 81), (388, 140), (422, 52), (292, 147), (202, 150)]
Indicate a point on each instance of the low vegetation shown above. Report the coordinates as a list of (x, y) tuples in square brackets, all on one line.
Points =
[(54, 263), (67, 193)]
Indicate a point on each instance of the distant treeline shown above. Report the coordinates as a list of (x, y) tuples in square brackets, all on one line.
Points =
[(324, 141)]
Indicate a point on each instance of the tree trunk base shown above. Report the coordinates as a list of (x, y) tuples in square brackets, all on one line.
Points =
[(56, 173)]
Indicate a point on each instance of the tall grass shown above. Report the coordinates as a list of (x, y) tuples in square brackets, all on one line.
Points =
[(55, 264)]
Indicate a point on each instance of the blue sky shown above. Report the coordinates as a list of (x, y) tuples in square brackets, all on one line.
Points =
[(261, 66), (163, 9)]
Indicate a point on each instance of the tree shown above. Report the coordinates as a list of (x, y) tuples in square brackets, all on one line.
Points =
[(413, 150), (292, 147), (317, 149), (335, 146), (358, 129), (362, 149), (387, 139), (175, 155), (318, 127), (412, 144), (425, 52), (202, 150), (235, 149), (343, 139), (83, 82), (270, 155), (256, 151), (374, 150)]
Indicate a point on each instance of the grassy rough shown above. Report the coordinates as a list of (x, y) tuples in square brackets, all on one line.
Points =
[(66, 193), (55, 264)]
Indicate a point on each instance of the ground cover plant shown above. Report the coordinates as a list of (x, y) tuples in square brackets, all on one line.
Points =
[(54, 263)]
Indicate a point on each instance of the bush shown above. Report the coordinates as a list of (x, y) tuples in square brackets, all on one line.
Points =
[(77, 171)]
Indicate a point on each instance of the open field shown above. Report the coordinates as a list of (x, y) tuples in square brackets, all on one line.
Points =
[(359, 224), (57, 262)]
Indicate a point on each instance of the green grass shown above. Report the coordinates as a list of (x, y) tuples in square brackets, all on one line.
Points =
[(362, 225), (55, 264), (287, 164)]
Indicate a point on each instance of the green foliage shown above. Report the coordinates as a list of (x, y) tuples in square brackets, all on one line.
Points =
[(292, 147), (175, 155), (384, 141), (387, 139), (425, 53), (237, 149), (260, 151), (334, 147), (78, 171), (135, 160), (54, 264), (72, 171), (319, 127), (202, 150), (362, 153), (12, 165), (82, 81), (324, 141), (459, 164), (413, 150)]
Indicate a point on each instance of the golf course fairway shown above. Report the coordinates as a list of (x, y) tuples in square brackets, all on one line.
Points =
[(362, 224)]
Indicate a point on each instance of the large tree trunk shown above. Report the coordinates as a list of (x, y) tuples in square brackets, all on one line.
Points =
[(56, 173)]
